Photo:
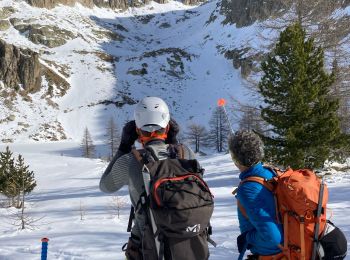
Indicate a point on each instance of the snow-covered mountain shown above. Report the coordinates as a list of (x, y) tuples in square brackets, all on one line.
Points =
[(111, 59), (96, 63), (88, 64)]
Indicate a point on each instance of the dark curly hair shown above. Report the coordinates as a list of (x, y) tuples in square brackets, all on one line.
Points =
[(246, 147)]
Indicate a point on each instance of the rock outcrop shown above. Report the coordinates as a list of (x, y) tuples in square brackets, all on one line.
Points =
[(52, 3), (114, 4), (19, 68), (245, 13), (192, 2), (48, 35), (6, 11), (4, 25)]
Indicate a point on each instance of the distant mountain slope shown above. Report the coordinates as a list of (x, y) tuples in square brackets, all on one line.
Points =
[(114, 59)]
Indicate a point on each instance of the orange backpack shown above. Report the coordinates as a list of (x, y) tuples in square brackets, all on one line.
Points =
[(297, 194)]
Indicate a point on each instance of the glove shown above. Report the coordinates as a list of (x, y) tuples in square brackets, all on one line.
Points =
[(173, 131), (129, 136), (242, 242)]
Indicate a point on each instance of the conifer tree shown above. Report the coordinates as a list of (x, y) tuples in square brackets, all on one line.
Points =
[(16, 178), (24, 181), (87, 145), (7, 168), (297, 103)]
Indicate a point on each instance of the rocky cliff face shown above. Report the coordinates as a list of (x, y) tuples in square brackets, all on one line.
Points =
[(50, 36), (244, 13), (19, 68), (114, 4), (52, 3)]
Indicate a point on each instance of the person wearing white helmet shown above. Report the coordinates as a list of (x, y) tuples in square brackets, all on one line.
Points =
[(152, 119), (154, 129)]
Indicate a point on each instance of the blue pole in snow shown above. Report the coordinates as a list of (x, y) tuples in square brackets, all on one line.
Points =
[(44, 243)]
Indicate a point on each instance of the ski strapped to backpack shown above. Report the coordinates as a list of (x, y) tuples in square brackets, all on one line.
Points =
[(301, 200), (179, 205), (317, 226)]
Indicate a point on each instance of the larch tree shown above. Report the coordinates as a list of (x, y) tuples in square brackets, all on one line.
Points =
[(113, 137), (219, 130), (196, 135), (87, 145)]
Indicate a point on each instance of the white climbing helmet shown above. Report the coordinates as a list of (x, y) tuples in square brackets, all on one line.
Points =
[(151, 114)]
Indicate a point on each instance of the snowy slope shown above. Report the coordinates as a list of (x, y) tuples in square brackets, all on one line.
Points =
[(183, 56), (180, 50), (65, 182)]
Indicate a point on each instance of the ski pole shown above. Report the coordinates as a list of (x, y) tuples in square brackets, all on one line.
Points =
[(44, 243), (241, 255), (222, 103), (147, 179), (317, 226)]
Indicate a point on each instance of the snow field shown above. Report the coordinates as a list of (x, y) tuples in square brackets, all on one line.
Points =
[(67, 182)]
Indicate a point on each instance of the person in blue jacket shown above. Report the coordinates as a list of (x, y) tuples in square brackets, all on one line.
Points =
[(260, 231)]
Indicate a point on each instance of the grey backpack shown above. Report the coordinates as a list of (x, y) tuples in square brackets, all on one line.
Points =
[(179, 203)]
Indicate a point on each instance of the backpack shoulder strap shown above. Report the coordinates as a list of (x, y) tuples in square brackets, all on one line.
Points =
[(176, 151), (181, 151), (268, 185), (137, 155), (144, 156), (244, 213)]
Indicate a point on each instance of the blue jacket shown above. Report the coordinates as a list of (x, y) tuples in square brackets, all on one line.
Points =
[(264, 234)]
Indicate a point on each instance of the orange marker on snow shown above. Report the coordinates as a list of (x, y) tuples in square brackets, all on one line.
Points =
[(221, 102)]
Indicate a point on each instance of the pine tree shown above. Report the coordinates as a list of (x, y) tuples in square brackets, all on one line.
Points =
[(113, 137), (87, 145), (219, 130), (7, 168), (24, 180), (298, 106), (16, 179)]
